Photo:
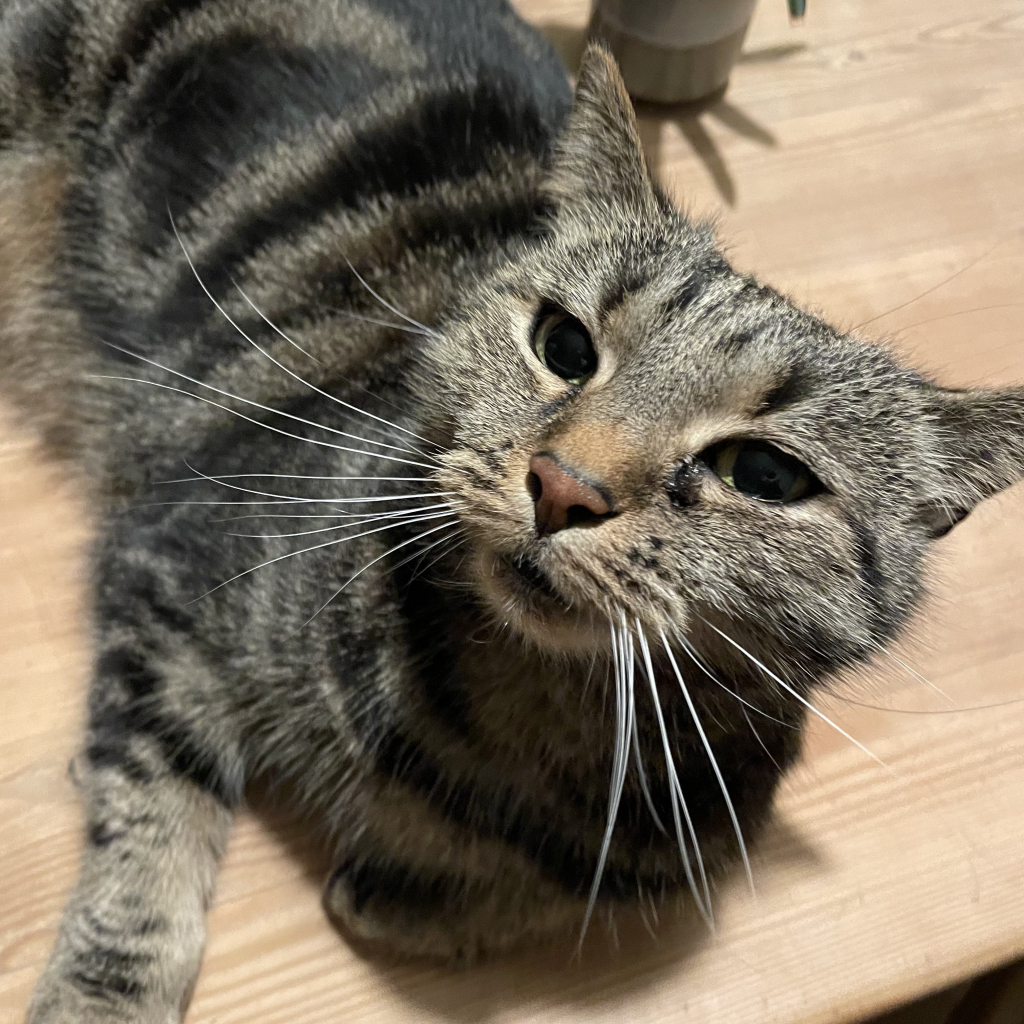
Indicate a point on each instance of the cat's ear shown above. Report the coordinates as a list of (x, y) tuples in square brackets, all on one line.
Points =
[(980, 450), (600, 159)]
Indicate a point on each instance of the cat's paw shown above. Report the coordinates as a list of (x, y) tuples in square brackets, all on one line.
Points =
[(63, 1003), (408, 919)]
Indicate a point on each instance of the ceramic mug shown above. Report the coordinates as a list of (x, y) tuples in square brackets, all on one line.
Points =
[(673, 50)]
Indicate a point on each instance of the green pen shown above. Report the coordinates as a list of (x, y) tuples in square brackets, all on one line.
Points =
[(797, 8)]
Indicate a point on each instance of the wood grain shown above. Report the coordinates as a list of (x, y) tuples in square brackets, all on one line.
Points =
[(871, 163)]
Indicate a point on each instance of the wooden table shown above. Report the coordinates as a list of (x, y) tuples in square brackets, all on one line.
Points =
[(871, 163)]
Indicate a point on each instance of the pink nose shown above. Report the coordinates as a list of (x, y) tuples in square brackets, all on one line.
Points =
[(560, 499)]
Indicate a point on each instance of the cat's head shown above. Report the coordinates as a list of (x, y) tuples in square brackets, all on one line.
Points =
[(643, 432)]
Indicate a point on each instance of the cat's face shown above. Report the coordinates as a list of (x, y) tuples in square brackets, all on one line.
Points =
[(641, 432)]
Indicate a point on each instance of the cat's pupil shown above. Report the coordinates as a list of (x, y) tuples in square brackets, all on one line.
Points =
[(765, 472), (564, 344)]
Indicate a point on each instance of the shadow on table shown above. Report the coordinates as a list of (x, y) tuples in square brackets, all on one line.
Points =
[(570, 41), (613, 965)]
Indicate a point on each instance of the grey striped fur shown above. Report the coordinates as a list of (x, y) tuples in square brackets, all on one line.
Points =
[(192, 192)]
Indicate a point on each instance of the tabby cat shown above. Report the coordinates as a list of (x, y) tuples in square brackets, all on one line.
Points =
[(446, 478)]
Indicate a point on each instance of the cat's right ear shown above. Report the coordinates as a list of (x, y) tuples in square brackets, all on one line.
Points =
[(979, 448), (599, 160)]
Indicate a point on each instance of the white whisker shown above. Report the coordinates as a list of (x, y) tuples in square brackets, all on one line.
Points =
[(714, 763), (374, 561), (620, 761), (260, 405), (453, 543), (200, 475), (913, 671), (317, 547), (258, 423), (637, 756), (789, 689), (294, 476), (420, 554), (387, 305), (291, 373), (376, 322), (757, 736), (688, 647), (678, 801), (355, 520), (224, 313)]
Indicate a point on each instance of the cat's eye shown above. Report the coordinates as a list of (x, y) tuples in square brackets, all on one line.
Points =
[(760, 470), (563, 345)]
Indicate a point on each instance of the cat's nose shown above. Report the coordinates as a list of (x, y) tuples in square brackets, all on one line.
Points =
[(561, 499)]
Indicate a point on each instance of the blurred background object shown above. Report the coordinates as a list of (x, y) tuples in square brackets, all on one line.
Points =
[(675, 50)]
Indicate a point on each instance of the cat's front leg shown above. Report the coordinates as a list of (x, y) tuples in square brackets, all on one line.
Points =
[(132, 934)]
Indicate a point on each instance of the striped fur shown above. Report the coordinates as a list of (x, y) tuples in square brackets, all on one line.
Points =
[(195, 190)]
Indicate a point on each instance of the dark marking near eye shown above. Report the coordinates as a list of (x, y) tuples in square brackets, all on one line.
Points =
[(551, 409), (735, 342), (688, 292), (685, 483), (787, 393), (628, 283), (656, 542), (865, 547)]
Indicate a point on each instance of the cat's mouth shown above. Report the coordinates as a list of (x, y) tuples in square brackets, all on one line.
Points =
[(528, 600), (530, 577)]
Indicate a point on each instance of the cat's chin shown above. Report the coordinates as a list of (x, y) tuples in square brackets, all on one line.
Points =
[(523, 598)]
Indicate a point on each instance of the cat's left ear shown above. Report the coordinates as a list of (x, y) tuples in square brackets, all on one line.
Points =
[(979, 436), (599, 160)]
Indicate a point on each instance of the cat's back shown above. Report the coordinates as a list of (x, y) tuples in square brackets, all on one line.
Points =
[(247, 131)]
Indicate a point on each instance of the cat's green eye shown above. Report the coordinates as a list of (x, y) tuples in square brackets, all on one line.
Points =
[(760, 470), (563, 345)]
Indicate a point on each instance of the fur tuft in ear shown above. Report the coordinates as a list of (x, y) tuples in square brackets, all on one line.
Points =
[(600, 158), (981, 450)]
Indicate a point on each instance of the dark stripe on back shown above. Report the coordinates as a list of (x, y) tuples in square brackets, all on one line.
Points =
[(206, 110), (445, 137), (152, 21), (467, 229), (43, 47)]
